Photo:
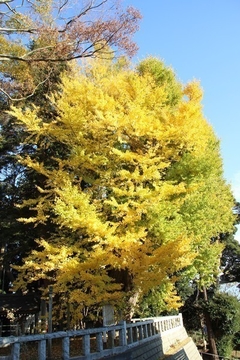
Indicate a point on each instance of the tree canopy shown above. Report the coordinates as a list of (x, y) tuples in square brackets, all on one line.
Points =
[(36, 36), (139, 194), (38, 41)]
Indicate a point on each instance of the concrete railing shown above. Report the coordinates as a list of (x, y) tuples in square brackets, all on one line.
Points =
[(164, 323), (94, 343)]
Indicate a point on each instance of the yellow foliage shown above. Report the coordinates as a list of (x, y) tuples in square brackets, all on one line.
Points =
[(155, 193)]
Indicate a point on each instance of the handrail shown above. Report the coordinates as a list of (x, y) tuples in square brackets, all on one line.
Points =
[(165, 323), (107, 340)]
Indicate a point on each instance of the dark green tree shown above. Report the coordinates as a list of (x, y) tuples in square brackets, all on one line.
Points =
[(230, 260), (224, 311)]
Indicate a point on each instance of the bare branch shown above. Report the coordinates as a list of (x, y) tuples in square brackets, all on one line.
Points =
[(11, 30), (6, 2), (11, 10), (87, 52), (28, 96), (62, 6), (83, 12), (61, 40), (6, 57)]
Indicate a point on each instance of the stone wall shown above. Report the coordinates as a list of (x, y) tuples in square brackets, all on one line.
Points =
[(151, 349), (176, 345)]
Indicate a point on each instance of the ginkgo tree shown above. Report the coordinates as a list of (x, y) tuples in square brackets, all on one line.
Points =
[(38, 41), (138, 196)]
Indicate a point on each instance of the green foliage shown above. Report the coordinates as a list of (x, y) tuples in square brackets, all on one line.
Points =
[(163, 76), (230, 260), (224, 311), (225, 346), (144, 217), (155, 303)]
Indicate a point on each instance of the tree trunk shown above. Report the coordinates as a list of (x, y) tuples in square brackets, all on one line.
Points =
[(210, 333), (133, 300)]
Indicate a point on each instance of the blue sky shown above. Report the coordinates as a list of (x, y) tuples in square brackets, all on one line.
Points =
[(200, 39)]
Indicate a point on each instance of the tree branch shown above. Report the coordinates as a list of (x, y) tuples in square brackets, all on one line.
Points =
[(82, 13), (63, 40), (28, 96), (14, 30)]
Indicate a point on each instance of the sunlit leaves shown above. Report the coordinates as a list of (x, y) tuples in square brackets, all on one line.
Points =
[(141, 190)]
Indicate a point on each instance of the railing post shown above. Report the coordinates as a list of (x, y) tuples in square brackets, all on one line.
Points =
[(150, 329), (140, 332), (135, 333), (111, 335), (16, 351), (65, 347), (181, 319), (130, 336), (99, 338), (86, 344), (50, 320), (123, 334), (42, 350), (153, 328), (145, 331)]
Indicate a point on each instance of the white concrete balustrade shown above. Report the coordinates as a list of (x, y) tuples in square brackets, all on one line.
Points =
[(164, 323), (99, 342)]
